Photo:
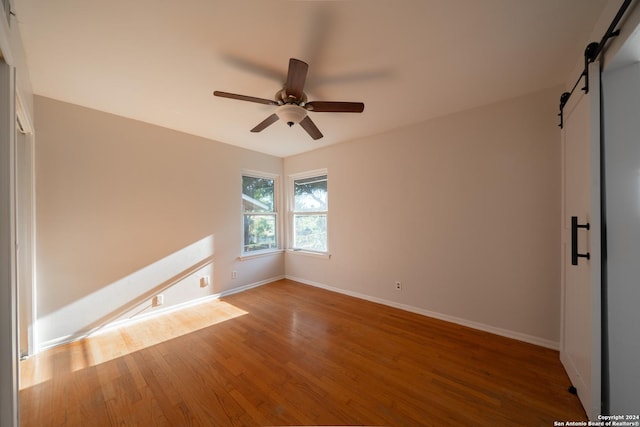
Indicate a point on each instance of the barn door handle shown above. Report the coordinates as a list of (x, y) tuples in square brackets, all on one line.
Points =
[(574, 240)]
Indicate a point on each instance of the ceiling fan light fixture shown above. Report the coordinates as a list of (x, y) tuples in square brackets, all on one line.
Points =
[(291, 113)]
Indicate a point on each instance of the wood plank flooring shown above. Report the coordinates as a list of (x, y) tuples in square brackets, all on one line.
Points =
[(290, 354)]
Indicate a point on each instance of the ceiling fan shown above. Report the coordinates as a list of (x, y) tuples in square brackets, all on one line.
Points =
[(292, 102)]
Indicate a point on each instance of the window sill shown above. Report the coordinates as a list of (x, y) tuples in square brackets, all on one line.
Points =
[(261, 254), (323, 255)]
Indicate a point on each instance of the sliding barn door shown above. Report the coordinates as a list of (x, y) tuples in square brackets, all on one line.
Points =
[(580, 347)]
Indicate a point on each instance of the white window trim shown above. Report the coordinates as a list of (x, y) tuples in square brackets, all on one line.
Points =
[(290, 212), (314, 254), (259, 254), (276, 206)]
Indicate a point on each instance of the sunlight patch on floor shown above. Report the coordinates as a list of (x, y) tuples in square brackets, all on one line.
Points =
[(113, 343)]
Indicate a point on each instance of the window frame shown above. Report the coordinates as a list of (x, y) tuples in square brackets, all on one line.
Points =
[(276, 213), (292, 213)]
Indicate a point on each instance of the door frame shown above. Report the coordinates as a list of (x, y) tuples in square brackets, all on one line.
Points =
[(8, 316), (28, 254)]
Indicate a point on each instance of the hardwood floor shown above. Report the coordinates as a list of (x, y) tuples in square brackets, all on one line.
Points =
[(291, 354)]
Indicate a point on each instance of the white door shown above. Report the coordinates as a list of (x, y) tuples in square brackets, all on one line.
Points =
[(580, 347)]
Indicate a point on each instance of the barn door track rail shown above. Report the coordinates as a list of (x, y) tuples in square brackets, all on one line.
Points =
[(591, 53)]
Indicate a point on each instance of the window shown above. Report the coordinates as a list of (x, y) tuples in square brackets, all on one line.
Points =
[(259, 214), (309, 212)]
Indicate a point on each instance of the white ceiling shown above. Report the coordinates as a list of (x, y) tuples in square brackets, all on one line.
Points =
[(159, 61)]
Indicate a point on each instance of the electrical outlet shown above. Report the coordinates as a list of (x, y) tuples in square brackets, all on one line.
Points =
[(204, 281), (158, 300), (398, 285), (234, 274)]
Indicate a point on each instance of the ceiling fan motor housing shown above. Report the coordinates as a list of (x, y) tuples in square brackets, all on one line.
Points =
[(291, 113)]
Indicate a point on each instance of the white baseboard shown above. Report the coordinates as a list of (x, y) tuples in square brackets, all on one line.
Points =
[(124, 322), (464, 322)]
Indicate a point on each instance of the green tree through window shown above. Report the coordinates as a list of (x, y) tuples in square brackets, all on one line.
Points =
[(310, 209), (259, 213)]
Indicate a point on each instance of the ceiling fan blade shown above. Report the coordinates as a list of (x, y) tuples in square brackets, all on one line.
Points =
[(311, 128), (265, 123), (295, 78), (245, 98), (335, 107)]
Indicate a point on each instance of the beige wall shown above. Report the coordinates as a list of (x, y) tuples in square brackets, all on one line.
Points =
[(126, 210), (463, 210)]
